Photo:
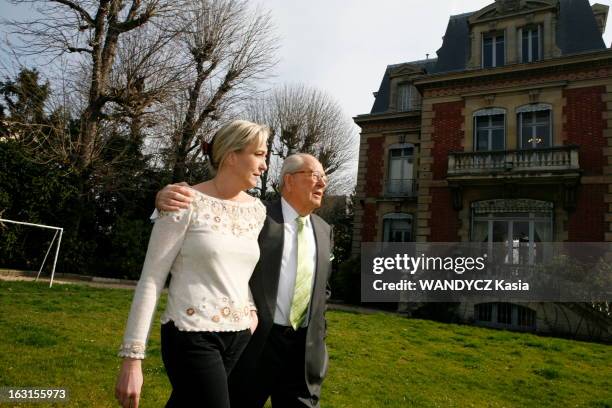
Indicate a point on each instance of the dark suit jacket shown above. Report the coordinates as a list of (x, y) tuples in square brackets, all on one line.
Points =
[(264, 287)]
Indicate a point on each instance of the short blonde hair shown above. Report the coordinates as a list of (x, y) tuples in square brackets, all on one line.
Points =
[(234, 137)]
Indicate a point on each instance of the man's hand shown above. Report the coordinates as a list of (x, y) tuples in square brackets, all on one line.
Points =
[(173, 197), (129, 383), (254, 321)]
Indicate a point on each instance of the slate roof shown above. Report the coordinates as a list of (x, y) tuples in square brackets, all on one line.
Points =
[(577, 32), (381, 103), (577, 29), (453, 54)]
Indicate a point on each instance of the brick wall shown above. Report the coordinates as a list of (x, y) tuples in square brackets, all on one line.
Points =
[(444, 222), (586, 223), (584, 125), (374, 170), (368, 233), (447, 135)]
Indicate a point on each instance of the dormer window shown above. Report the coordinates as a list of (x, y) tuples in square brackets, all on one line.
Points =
[(408, 98), (493, 50), (530, 43)]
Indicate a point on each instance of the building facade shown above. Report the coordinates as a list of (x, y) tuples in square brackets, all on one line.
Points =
[(506, 135)]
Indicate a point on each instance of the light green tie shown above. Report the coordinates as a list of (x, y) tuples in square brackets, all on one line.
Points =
[(303, 278)]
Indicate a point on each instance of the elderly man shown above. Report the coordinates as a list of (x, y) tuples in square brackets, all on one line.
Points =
[(286, 358)]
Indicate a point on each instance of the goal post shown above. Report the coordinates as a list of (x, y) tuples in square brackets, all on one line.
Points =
[(58, 235)]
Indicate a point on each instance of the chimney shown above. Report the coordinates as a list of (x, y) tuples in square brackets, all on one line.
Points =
[(600, 11)]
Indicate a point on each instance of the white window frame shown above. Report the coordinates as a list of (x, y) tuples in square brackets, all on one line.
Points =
[(534, 108), (530, 217), (408, 97), (494, 36), (400, 146), (488, 112), (397, 217), (530, 56)]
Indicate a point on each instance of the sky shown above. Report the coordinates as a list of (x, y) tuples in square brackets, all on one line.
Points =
[(343, 46)]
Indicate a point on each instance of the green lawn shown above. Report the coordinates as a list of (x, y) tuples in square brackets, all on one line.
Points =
[(67, 336)]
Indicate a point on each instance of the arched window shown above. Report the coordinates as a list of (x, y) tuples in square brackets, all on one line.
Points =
[(519, 224), (490, 129), (397, 227), (535, 125)]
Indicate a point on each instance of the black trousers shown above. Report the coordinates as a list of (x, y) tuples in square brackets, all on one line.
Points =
[(198, 364), (279, 374)]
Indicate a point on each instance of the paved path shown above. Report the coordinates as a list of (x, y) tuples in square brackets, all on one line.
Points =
[(9, 275), (69, 282), (127, 284)]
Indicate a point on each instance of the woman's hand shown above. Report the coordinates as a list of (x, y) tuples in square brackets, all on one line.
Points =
[(173, 197), (129, 383), (254, 321)]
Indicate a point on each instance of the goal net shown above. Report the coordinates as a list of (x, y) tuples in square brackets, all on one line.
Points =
[(55, 242)]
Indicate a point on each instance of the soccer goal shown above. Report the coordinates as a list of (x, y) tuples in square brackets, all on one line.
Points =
[(58, 235)]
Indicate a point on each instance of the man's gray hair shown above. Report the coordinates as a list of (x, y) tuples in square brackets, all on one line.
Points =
[(292, 164)]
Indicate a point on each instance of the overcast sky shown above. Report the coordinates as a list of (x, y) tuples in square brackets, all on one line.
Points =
[(343, 46)]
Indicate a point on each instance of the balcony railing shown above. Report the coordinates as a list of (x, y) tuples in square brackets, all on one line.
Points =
[(401, 188), (525, 160)]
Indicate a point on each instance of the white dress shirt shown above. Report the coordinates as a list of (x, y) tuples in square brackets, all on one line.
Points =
[(288, 271)]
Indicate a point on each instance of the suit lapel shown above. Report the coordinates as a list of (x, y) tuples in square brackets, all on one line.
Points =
[(272, 253), (322, 242), (271, 245)]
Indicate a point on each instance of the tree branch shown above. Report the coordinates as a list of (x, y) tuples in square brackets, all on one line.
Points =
[(194, 146), (133, 9), (130, 24), (84, 14), (77, 49)]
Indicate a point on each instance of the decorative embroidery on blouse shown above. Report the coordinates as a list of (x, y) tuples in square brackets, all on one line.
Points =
[(221, 311), (132, 350), (238, 219)]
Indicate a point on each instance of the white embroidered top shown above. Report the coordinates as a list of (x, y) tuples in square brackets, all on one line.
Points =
[(211, 250)]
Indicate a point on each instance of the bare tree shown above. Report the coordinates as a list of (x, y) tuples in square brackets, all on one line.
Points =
[(307, 120), (91, 29), (228, 46), (144, 75)]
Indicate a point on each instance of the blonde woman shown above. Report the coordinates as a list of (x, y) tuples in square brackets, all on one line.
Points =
[(210, 250)]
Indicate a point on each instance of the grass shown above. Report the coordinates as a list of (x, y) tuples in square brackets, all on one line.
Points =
[(67, 336)]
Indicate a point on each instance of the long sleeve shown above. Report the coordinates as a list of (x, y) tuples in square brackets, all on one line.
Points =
[(164, 245)]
